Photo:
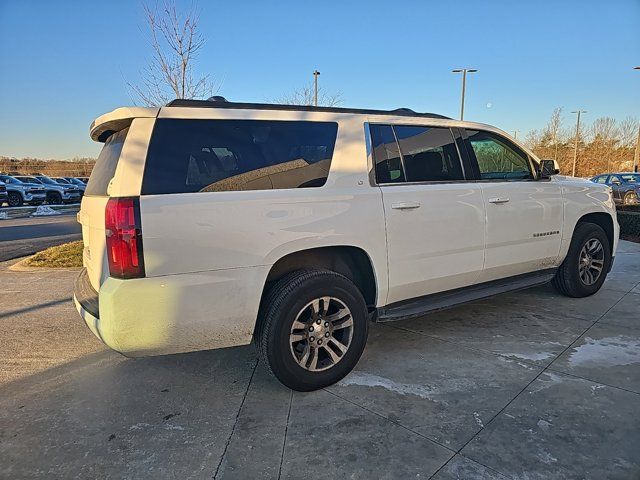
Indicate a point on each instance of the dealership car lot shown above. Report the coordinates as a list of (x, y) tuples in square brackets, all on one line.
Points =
[(524, 385)]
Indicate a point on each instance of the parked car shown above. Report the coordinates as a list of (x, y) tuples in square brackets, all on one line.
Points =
[(625, 186), (3, 193), (78, 183), (84, 180), (211, 224), (19, 192), (58, 194)]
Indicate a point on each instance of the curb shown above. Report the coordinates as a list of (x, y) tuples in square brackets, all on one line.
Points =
[(22, 212)]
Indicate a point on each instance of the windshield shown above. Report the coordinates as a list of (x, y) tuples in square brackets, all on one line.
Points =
[(8, 179), (76, 181), (47, 180), (631, 177), (29, 179), (63, 180)]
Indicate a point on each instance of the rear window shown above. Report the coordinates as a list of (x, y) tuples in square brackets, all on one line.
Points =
[(105, 167), (235, 155)]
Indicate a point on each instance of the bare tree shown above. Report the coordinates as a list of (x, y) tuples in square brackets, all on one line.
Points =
[(628, 131), (304, 96), (604, 133), (553, 130), (176, 40)]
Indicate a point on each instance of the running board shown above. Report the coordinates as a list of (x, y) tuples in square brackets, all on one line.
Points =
[(416, 307)]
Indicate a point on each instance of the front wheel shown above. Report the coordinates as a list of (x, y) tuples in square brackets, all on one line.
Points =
[(587, 262), (14, 199), (313, 329)]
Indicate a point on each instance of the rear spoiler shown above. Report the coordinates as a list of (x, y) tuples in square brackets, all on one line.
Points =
[(105, 125)]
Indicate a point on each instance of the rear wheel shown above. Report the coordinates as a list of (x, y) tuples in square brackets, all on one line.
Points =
[(585, 267), (313, 329), (14, 199)]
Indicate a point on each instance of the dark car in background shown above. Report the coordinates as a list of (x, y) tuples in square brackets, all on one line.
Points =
[(3, 193), (625, 186), (79, 184)]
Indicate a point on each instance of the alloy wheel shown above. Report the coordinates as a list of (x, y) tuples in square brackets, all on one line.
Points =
[(591, 262)]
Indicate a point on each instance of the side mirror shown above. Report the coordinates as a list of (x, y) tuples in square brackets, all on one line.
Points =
[(548, 168)]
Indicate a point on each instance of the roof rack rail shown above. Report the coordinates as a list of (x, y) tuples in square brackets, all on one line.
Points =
[(220, 102)]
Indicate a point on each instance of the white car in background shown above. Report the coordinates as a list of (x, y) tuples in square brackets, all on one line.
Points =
[(212, 224)]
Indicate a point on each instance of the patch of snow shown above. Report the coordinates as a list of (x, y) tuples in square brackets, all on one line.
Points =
[(478, 419), (3, 215), (364, 379), (606, 352), (44, 210), (546, 457), (544, 425)]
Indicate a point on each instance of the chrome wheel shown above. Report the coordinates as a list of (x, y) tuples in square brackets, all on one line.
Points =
[(591, 261), (321, 334)]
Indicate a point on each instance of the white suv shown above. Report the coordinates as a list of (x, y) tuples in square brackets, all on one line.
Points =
[(209, 224)]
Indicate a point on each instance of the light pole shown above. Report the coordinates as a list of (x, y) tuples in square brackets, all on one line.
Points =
[(636, 157), (315, 87), (464, 72), (575, 147), (515, 134)]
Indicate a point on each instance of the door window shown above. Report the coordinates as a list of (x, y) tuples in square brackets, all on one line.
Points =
[(386, 155), (415, 154), (498, 158), (602, 179), (429, 154)]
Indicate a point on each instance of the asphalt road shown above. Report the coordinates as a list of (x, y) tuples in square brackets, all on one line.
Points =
[(25, 236)]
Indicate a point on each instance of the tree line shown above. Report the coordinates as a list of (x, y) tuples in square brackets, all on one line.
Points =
[(76, 167), (604, 145)]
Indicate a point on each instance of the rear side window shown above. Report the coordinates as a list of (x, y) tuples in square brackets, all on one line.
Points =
[(234, 155), (106, 163), (498, 158)]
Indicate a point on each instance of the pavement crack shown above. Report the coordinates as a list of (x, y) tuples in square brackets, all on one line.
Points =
[(284, 441), (233, 429)]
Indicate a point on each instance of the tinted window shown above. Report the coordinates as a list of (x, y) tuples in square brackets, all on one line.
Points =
[(630, 178), (106, 163), (429, 154), (615, 180), (498, 158), (386, 155), (602, 179), (232, 155)]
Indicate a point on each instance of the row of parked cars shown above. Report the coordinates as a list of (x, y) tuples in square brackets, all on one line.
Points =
[(17, 190), (625, 187)]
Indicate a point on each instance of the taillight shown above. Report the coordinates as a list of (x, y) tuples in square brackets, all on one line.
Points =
[(124, 237)]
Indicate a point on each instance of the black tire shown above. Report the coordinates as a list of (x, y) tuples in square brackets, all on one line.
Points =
[(281, 307), (14, 199), (54, 198), (568, 280)]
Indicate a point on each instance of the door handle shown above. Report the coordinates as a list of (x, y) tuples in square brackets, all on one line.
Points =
[(405, 205), (499, 200)]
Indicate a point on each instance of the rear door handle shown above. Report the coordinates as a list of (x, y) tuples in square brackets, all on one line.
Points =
[(499, 200), (405, 205)]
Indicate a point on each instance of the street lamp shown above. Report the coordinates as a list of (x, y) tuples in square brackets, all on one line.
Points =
[(315, 87), (464, 72), (637, 154), (575, 147)]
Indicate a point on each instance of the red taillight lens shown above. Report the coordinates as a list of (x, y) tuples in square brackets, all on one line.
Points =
[(124, 238)]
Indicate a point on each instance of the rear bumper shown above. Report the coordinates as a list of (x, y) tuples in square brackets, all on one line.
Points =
[(174, 313)]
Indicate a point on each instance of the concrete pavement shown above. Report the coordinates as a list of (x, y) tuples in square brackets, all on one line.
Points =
[(527, 385)]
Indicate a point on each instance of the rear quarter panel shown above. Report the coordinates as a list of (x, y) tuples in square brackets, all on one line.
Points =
[(209, 231)]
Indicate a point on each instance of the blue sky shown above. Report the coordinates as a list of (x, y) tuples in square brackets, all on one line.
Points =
[(64, 63)]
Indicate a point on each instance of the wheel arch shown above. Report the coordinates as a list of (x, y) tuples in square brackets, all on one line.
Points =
[(602, 219), (348, 260)]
